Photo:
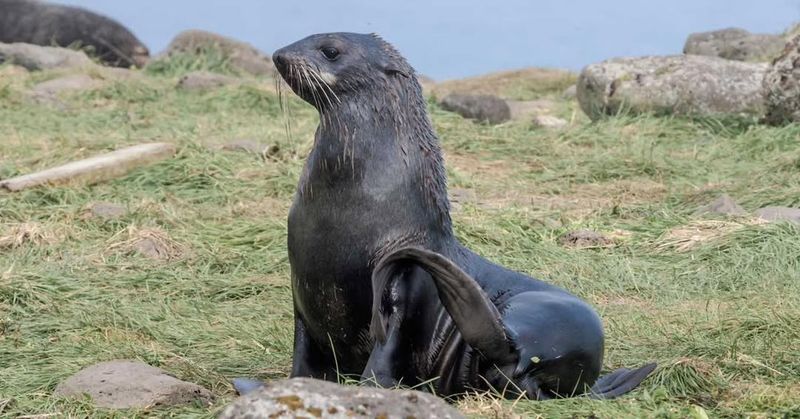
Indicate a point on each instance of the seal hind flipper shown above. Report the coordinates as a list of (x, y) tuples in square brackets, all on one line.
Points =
[(246, 385), (620, 382), (477, 318)]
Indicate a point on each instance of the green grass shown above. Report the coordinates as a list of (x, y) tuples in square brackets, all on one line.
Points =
[(719, 314)]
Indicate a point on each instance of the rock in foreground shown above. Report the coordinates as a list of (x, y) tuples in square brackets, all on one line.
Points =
[(126, 384), (779, 214), (735, 44), (724, 205), (34, 57), (306, 397), (481, 108), (782, 86), (682, 85)]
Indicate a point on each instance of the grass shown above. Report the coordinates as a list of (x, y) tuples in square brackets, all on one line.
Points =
[(714, 301)]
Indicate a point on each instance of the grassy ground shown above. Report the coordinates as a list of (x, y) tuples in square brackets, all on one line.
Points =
[(715, 301)]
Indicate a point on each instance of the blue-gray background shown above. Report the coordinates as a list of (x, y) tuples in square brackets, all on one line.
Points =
[(456, 38)]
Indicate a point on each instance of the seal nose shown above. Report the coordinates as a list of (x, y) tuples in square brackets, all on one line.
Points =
[(280, 60)]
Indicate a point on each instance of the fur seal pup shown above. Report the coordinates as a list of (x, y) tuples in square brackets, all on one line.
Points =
[(39, 23), (373, 187)]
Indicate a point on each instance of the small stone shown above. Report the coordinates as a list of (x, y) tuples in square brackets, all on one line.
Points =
[(724, 205), (481, 108), (307, 397), (106, 210), (125, 384), (549, 122), (779, 214), (203, 80), (584, 239)]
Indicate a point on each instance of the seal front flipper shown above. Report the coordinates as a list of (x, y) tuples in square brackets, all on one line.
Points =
[(620, 382)]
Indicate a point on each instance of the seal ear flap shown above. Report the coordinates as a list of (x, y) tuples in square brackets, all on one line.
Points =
[(395, 70), (473, 312)]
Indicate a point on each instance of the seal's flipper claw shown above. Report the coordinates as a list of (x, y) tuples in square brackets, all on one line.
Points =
[(245, 385), (620, 382)]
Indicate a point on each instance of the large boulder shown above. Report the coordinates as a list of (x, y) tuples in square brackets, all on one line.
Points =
[(307, 397), (125, 384), (481, 108), (682, 85), (781, 86), (34, 57), (735, 44), (241, 56)]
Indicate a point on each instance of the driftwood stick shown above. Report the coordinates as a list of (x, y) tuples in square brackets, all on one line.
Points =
[(94, 169)]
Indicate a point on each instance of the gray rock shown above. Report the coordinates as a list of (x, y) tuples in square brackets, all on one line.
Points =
[(549, 122), (724, 205), (124, 384), (203, 80), (106, 210), (306, 397), (781, 86), (779, 214), (240, 55), (584, 239), (481, 108), (75, 82), (570, 92), (682, 85), (34, 57), (735, 44)]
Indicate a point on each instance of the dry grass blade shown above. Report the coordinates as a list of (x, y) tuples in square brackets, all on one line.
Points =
[(153, 243), (16, 235), (686, 237)]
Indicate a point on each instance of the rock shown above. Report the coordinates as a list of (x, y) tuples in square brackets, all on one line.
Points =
[(124, 384), (240, 56), (105, 210), (570, 92), (203, 80), (682, 85), (481, 108), (779, 214), (735, 44), (584, 239), (34, 57), (724, 205), (307, 397), (781, 86), (75, 82), (549, 122)]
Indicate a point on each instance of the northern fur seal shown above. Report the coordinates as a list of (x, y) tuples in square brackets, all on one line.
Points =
[(38, 23), (371, 213)]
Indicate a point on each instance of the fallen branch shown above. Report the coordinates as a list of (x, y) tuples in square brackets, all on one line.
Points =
[(94, 169)]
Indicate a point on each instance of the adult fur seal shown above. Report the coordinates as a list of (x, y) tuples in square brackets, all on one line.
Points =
[(38, 23), (374, 189)]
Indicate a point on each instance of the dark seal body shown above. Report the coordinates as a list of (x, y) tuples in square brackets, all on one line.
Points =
[(370, 226), (39, 23)]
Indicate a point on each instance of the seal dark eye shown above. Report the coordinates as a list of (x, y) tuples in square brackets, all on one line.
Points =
[(330, 53)]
